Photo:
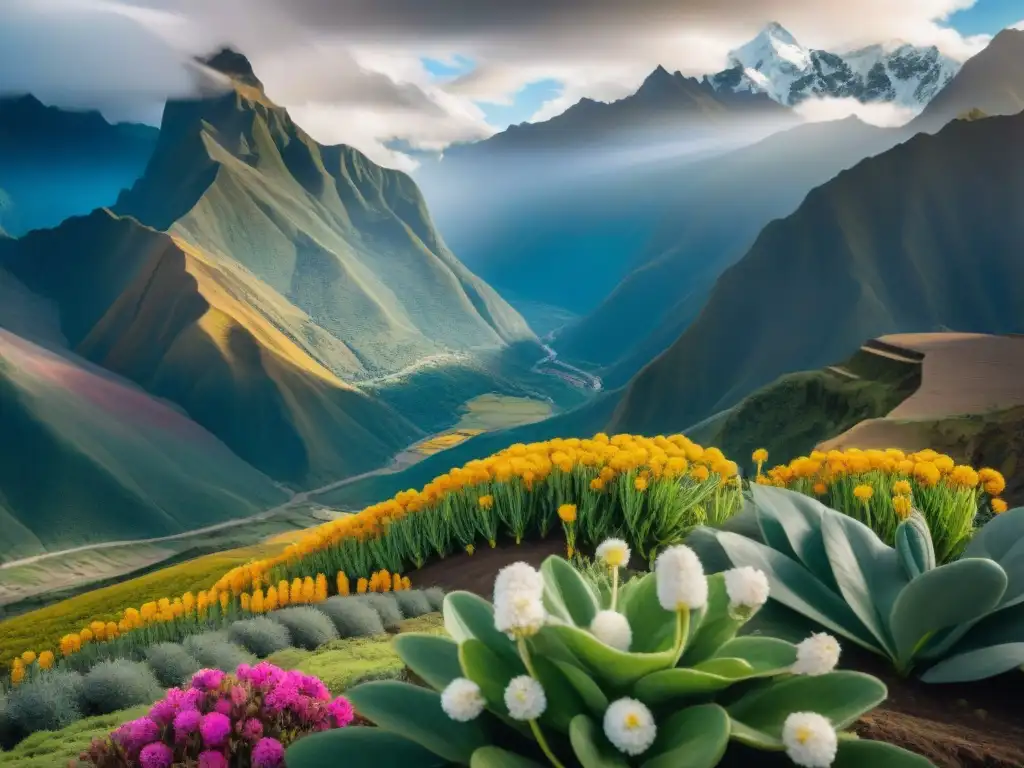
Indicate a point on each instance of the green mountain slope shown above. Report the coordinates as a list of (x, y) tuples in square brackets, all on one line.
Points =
[(194, 330), (56, 163), (89, 457), (923, 237), (348, 243)]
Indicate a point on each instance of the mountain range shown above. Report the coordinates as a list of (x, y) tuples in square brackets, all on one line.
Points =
[(55, 163), (776, 64)]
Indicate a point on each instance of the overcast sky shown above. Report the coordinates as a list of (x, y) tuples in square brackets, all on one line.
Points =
[(430, 72)]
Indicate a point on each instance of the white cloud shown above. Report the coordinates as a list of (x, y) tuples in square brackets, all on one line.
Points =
[(884, 115), (351, 70)]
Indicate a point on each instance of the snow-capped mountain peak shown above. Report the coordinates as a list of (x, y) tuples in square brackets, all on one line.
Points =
[(775, 63)]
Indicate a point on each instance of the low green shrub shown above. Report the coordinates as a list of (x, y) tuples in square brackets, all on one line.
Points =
[(46, 703), (352, 616), (171, 664), (55, 749), (412, 603), (436, 597), (214, 650), (260, 635), (119, 684), (309, 627), (387, 606)]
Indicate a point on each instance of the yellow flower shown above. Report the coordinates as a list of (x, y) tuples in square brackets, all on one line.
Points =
[(17, 675), (246, 601), (760, 456), (396, 582), (361, 586), (46, 659), (470, 549), (963, 476), (343, 585), (943, 463), (993, 481), (85, 636), (28, 658), (567, 513), (763, 480), (597, 484), (640, 484), (700, 474), (902, 506), (864, 492), (486, 502), (406, 582), (258, 603), (901, 488), (820, 489), (927, 473), (998, 506)]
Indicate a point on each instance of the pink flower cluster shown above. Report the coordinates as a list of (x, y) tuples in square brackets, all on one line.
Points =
[(243, 720)]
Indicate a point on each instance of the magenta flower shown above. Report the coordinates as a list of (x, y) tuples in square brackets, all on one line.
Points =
[(311, 686), (223, 706), (215, 729), (268, 753), (342, 711), (211, 759), (252, 729), (163, 712), (156, 755), (186, 723), (239, 695), (141, 732), (207, 679)]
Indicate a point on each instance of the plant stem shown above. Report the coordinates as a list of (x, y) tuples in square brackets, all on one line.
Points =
[(524, 654), (682, 630), (544, 744), (615, 587)]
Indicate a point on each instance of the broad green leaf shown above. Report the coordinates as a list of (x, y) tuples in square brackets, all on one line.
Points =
[(696, 737), (752, 737), (795, 587), (433, 658), (859, 559), (860, 753), (590, 692), (800, 519), (943, 597), (591, 747), (362, 748), (653, 627), (493, 757), (415, 714), (466, 615), (725, 666), (678, 683), (914, 547), (979, 664), (715, 625), (842, 697), (564, 702), (568, 595), (998, 536), (616, 668), (763, 654), (489, 671)]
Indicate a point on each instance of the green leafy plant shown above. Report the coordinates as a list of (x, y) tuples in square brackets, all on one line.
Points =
[(957, 622), (659, 678)]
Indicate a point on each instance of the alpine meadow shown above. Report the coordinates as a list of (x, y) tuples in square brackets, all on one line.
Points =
[(580, 385)]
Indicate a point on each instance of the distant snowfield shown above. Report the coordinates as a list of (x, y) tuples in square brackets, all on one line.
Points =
[(881, 114)]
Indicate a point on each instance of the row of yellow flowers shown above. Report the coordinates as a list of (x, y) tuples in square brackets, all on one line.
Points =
[(211, 607), (476, 501), (882, 487)]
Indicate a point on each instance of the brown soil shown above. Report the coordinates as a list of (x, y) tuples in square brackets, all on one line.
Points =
[(977, 725)]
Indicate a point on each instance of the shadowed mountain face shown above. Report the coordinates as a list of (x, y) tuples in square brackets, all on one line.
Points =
[(924, 237), (56, 163), (188, 328), (97, 459), (571, 199)]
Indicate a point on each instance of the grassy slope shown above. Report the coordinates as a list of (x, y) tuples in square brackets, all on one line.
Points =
[(793, 414), (172, 319), (88, 457), (54, 749), (924, 237), (43, 628)]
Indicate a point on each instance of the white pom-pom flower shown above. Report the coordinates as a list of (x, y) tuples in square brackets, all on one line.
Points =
[(614, 553), (518, 608), (612, 628), (629, 726), (747, 589), (817, 655), (810, 740), (525, 698), (680, 579), (461, 700)]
